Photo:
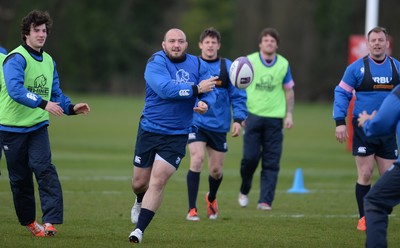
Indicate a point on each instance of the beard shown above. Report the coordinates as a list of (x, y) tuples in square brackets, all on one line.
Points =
[(176, 58)]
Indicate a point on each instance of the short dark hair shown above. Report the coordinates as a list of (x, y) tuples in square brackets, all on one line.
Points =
[(211, 32), (269, 31), (35, 18), (378, 30)]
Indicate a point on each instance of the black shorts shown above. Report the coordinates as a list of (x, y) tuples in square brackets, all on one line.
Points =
[(382, 146), (172, 148), (215, 140)]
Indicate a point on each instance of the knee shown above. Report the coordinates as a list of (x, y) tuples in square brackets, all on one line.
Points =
[(368, 203), (365, 176), (158, 184), (373, 204), (196, 163), (44, 171), (252, 161), (139, 185), (216, 173), (25, 184), (273, 167)]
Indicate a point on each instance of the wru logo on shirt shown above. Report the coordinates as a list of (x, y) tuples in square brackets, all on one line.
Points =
[(39, 86)]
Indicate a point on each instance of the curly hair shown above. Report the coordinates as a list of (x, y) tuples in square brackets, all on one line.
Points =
[(35, 18)]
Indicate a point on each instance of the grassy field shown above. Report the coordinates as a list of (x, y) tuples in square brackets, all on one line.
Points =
[(93, 155)]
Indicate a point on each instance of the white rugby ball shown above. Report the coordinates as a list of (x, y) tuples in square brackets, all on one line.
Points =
[(241, 73)]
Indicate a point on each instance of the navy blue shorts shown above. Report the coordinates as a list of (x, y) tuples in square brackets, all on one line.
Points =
[(172, 148), (215, 140), (382, 146)]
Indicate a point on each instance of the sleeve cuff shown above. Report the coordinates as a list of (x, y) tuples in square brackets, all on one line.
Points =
[(43, 104), (340, 122), (195, 90), (71, 109)]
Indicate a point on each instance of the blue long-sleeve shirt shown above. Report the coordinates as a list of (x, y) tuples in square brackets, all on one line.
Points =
[(171, 93), (366, 100), (218, 117), (387, 117)]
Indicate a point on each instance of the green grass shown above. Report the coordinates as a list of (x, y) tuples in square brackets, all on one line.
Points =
[(93, 155)]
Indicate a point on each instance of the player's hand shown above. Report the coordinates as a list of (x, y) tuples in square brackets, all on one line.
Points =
[(236, 127), (362, 117), (207, 85), (201, 107), (341, 133), (54, 108), (288, 121), (81, 108), (243, 123)]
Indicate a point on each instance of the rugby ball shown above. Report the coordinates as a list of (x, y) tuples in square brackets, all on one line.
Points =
[(241, 73)]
